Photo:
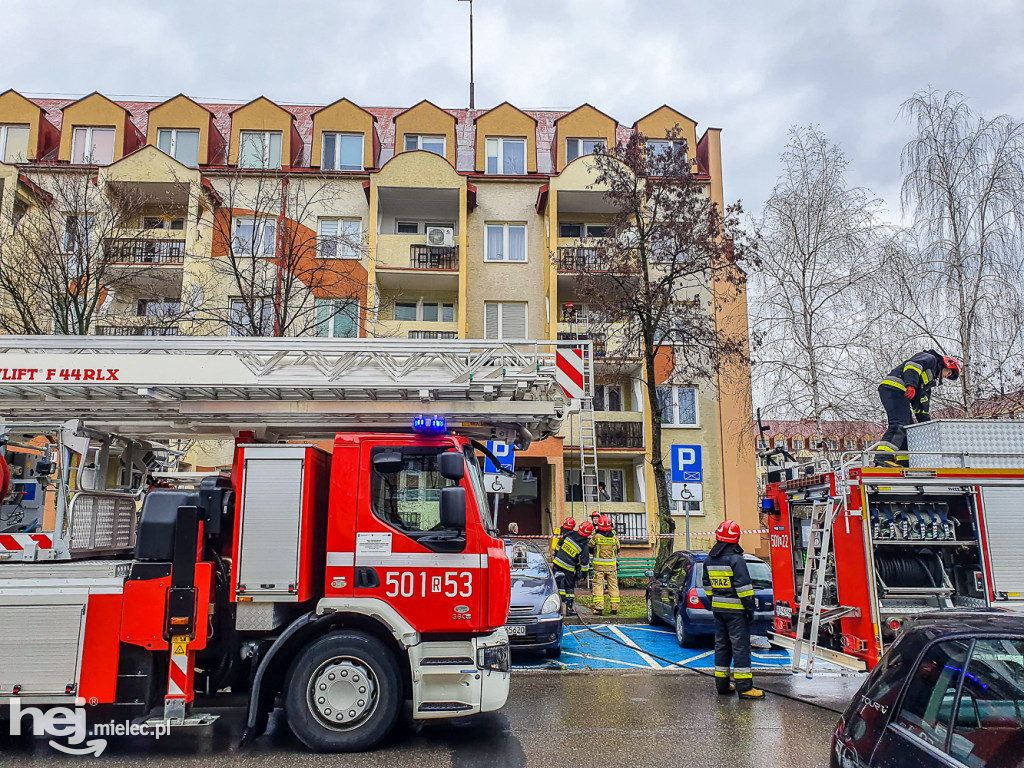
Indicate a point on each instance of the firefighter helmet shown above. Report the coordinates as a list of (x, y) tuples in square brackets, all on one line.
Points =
[(568, 524), (586, 529), (604, 523), (728, 531), (954, 366)]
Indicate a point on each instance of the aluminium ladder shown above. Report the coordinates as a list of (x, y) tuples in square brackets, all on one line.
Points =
[(587, 435), (823, 515)]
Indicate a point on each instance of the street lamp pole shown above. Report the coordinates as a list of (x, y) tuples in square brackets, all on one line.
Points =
[(472, 100)]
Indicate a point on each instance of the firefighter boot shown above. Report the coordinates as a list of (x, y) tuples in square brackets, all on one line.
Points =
[(725, 690), (751, 693)]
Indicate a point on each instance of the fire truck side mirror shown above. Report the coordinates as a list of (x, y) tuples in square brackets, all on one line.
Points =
[(451, 465), (453, 508)]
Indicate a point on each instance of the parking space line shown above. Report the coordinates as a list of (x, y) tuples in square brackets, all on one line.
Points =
[(587, 657), (628, 641), (698, 657)]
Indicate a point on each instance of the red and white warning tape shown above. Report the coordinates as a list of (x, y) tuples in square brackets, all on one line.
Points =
[(753, 531)]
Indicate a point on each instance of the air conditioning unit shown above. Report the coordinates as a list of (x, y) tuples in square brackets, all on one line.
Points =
[(441, 237)]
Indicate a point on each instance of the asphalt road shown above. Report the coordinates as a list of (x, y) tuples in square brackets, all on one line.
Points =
[(555, 720)]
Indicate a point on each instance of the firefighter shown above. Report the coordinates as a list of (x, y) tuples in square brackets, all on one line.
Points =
[(905, 395), (605, 547), (571, 560), (732, 603), (569, 524)]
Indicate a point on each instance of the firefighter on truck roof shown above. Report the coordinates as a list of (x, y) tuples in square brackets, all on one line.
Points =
[(732, 603), (906, 394), (571, 560), (605, 548)]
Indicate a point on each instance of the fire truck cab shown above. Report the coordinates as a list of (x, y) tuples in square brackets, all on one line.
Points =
[(346, 564)]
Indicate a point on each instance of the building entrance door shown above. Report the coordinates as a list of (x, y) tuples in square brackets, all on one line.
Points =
[(523, 505)]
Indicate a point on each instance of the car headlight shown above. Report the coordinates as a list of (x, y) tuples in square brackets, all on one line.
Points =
[(553, 604), (494, 657)]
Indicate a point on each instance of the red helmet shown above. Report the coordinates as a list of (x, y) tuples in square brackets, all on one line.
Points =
[(728, 531), (604, 523), (954, 365), (568, 524), (586, 529)]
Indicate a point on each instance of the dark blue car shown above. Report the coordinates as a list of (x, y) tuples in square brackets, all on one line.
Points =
[(948, 692), (535, 616), (677, 595)]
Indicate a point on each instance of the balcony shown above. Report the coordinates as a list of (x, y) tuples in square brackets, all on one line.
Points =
[(583, 259), (630, 527), (600, 345), (433, 334), (433, 257), (407, 262), (620, 435), (136, 330), (144, 251)]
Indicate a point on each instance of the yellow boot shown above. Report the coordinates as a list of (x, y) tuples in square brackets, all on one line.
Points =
[(753, 693)]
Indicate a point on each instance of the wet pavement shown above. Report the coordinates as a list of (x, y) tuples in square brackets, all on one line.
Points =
[(635, 718)]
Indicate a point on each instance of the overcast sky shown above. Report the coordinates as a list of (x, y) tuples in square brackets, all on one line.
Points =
[(752, 68)]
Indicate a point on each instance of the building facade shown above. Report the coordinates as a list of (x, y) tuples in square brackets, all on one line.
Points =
[(420, 222)]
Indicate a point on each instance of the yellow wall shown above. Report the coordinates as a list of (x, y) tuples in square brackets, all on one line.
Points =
[(582, 123), (181, 112), (425, 118), (15, 109), (663, 119), (506, 121), (93, 111), (346, 117), (261, 115)]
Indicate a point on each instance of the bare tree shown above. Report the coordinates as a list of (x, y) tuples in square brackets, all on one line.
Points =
[(67, 254), (813, 309), (668, 256), (958, 283)]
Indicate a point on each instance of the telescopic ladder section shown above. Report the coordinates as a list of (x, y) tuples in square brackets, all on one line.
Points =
[(288, 388), (812, 609), (588, 437)]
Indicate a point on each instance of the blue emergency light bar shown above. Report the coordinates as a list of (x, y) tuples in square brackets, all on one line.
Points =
[(429, 425)]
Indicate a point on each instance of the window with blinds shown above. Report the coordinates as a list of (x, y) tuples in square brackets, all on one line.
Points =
[(505, 320)]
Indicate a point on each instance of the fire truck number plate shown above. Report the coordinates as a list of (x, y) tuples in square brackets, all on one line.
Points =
[(784, 611), (420, 584)]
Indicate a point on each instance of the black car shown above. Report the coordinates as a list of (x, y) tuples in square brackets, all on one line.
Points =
[(535, 616), (677, 594), (948, 692)]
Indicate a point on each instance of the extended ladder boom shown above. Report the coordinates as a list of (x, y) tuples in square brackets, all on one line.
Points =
[(289, 387)]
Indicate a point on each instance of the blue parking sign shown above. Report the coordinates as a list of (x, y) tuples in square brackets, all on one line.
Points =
[(504, 453), (687, 466)]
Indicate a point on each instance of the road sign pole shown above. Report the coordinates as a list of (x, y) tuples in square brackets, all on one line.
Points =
[(681, 507)]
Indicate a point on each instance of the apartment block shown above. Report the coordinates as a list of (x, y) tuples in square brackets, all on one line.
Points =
[(417, 222)]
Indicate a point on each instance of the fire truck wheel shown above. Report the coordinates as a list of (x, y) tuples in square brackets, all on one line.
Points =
[(345, 693)]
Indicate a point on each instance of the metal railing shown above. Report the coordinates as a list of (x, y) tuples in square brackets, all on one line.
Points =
[(600, 344), (143, 251), (620, 434), (433, 334), (136, 330), (630, 527), (583, 259), (433, 257)]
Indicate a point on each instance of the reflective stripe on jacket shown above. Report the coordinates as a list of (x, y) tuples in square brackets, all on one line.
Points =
[(605, 549), (731, 588), (922, 372), (572, 551)]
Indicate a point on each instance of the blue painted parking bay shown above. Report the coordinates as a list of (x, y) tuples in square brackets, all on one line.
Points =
[(638, 646)]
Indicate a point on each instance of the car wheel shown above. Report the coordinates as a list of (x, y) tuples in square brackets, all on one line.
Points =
[(651, 618), (684, 638), (345, 693), (553, 653)]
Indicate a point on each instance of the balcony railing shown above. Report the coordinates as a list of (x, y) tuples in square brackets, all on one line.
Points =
[(630, 527), (581, 259), (433, 334), (433, 257), (627, 435), (136, 330), (142, 251), (600, 345)]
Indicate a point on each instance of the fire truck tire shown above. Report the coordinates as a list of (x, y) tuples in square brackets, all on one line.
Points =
[(344, 694)]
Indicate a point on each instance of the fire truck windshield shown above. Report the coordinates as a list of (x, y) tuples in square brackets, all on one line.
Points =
[(476, 482)]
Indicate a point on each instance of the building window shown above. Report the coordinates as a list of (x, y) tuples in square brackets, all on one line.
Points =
[(851, 445), (578, 147), (505, 242), (14, 143), (798, 443), (337, 318), (426, 311), (163, 222), (780, 442), (506, 156), (505, 320), (658, 147), (182, 145), (405, 310), (407, 227), (78, 233), (157, 307), (342, 152), (580, 231), (693, 507), (340, 238), (259, 149), (832, 445), (254, 237), (607, 397), (678, 406), (242, 322), (612, 485), (435, 144), (92, 145)]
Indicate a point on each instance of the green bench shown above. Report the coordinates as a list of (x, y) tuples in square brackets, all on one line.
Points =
[(635, 567)]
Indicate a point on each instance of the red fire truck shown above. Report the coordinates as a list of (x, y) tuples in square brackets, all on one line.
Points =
[(337, 582), (889, 543)]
